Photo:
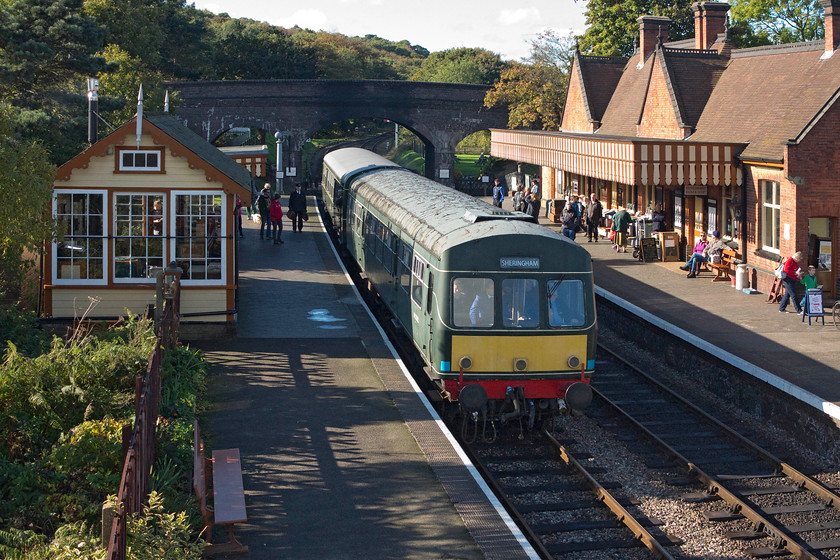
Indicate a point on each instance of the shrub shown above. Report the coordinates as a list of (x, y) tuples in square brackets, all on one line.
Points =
[(158, 535), (21, 330)]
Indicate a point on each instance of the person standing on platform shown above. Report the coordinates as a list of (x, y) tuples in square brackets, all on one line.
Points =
[(263, 205), (810, 283), (237, 216), (297, 208), (498, 192), (789, 279), (276, 215), (532, 205), (658, 219), (594, 213), (620, 223), (570, 220)]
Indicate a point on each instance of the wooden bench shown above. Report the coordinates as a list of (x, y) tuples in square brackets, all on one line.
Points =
[(724, 267), (228, 493)]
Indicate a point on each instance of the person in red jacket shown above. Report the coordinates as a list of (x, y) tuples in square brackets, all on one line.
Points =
[(275, 212), (791, 278)]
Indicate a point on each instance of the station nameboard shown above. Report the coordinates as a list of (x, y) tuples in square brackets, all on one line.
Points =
[(519, 263)]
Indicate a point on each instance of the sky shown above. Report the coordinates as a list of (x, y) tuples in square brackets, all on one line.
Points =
[(502, 26)]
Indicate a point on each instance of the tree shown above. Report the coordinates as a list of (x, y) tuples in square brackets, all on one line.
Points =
[(612, 27), (534, 89), (461, 66), (779, 21), (26, 177), (47, 47)]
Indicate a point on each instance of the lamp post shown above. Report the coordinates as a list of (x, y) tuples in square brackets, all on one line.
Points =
[(279, 138)]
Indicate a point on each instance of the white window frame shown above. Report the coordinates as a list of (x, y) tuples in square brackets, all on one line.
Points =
[(114, 235), (105, 245), (776, 211), (157, 169), (173, 241)]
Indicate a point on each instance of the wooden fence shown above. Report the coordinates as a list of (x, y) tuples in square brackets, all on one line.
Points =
[(139, 441)]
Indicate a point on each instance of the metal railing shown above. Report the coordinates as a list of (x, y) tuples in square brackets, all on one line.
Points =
[(139, 440)]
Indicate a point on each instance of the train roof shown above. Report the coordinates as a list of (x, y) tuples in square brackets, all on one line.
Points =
[(346, 163), (434, 215)]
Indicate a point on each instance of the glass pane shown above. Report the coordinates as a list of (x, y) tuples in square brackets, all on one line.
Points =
[(473, 302), (520, 303), (565, 303)]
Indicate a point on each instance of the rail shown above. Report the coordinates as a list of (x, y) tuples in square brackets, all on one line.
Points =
[(139, 440)]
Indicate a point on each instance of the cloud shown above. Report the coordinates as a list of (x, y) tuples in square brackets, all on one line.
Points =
[(512, 17), (307, 19)]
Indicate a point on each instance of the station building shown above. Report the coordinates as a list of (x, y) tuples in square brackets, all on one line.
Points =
[(143, 196), (743, 141)]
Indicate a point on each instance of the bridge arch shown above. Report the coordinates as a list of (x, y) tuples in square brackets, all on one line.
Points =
[(439, 114)]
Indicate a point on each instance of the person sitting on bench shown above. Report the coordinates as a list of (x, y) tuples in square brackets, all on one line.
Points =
[(711, 253)]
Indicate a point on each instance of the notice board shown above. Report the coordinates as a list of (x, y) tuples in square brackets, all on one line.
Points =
[(670, 242), (648, 251)]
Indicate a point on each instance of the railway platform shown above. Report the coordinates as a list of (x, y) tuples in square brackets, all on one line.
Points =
[(341, 458), (742, 329)]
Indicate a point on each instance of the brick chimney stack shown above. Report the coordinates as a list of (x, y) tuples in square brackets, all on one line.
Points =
[(709, 22), (832, 23), (651, 30)]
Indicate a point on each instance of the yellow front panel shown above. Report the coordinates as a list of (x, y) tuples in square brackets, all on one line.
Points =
[(497, 353)]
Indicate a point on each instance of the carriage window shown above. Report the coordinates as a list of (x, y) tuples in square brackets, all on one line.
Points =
[(417, 271), (520, 303), (473, 302), (565, 303)]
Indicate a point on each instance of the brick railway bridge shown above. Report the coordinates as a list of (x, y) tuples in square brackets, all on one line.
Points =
[(441, 115)]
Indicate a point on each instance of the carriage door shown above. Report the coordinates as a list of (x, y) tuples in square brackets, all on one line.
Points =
[(419, 322)]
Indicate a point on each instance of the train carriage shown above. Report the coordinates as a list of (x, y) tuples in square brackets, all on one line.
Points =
[(501, 309)]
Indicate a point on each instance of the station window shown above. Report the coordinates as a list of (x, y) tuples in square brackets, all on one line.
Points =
[(80, 256), (473, 302), (565, 303), (771, 210), (199, 243), (140, 160), (520, 302), (139, 232)]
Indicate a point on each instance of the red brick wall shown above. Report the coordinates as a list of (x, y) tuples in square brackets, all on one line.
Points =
[(764, 267), (574, 113), (659, 120)]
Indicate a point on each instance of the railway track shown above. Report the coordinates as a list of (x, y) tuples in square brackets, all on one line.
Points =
[(780, 509), (561, 505)]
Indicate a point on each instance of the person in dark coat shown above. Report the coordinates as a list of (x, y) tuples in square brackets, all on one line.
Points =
[(570, 220), (594, 213), (498, 193), (263, 205), (297, 208), (532, 205), (658, 219), (621, 222)]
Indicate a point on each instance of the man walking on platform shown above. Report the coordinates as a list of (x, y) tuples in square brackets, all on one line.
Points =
[(263, 205), (594, 213), (297, 208)]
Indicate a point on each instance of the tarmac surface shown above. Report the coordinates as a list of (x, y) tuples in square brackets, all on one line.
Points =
[(340, 457)]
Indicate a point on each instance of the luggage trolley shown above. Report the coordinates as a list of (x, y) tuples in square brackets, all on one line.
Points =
[(644, 228)]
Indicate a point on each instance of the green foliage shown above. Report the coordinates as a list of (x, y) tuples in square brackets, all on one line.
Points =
[(73, 541), (184, 377), (156, 534), (777, 21), (25, 179), (338, 57), (612, 27), (21, 329), (462, 66), (411, 160), (534, 90), (119, 88)]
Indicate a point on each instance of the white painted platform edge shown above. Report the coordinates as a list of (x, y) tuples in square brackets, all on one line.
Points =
[(797, 392)]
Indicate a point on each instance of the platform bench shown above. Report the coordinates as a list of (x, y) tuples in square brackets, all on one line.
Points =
[(724, 267), (228, 493)]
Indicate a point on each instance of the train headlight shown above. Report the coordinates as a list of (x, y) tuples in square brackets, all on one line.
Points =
[(465, 362), (573, 362), (520, 364)]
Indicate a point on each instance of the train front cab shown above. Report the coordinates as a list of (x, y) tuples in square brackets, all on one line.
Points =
[(531, 332)]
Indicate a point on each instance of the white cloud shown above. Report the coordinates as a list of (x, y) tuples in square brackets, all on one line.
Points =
[(512, 17), (308, 19)]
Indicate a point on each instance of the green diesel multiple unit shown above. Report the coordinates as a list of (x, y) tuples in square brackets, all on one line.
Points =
[(501, 308)]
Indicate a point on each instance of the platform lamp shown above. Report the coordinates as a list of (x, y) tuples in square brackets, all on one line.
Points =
[(279, 138)]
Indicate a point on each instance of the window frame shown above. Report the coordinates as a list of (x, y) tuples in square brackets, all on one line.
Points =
[(120, 168), (104, 236), (223, 238), (775, 209), (115, 236)]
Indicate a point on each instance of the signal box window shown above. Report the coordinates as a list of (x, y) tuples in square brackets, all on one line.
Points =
[(565, 303), (140, 160), (473, 302), (520, 303)]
